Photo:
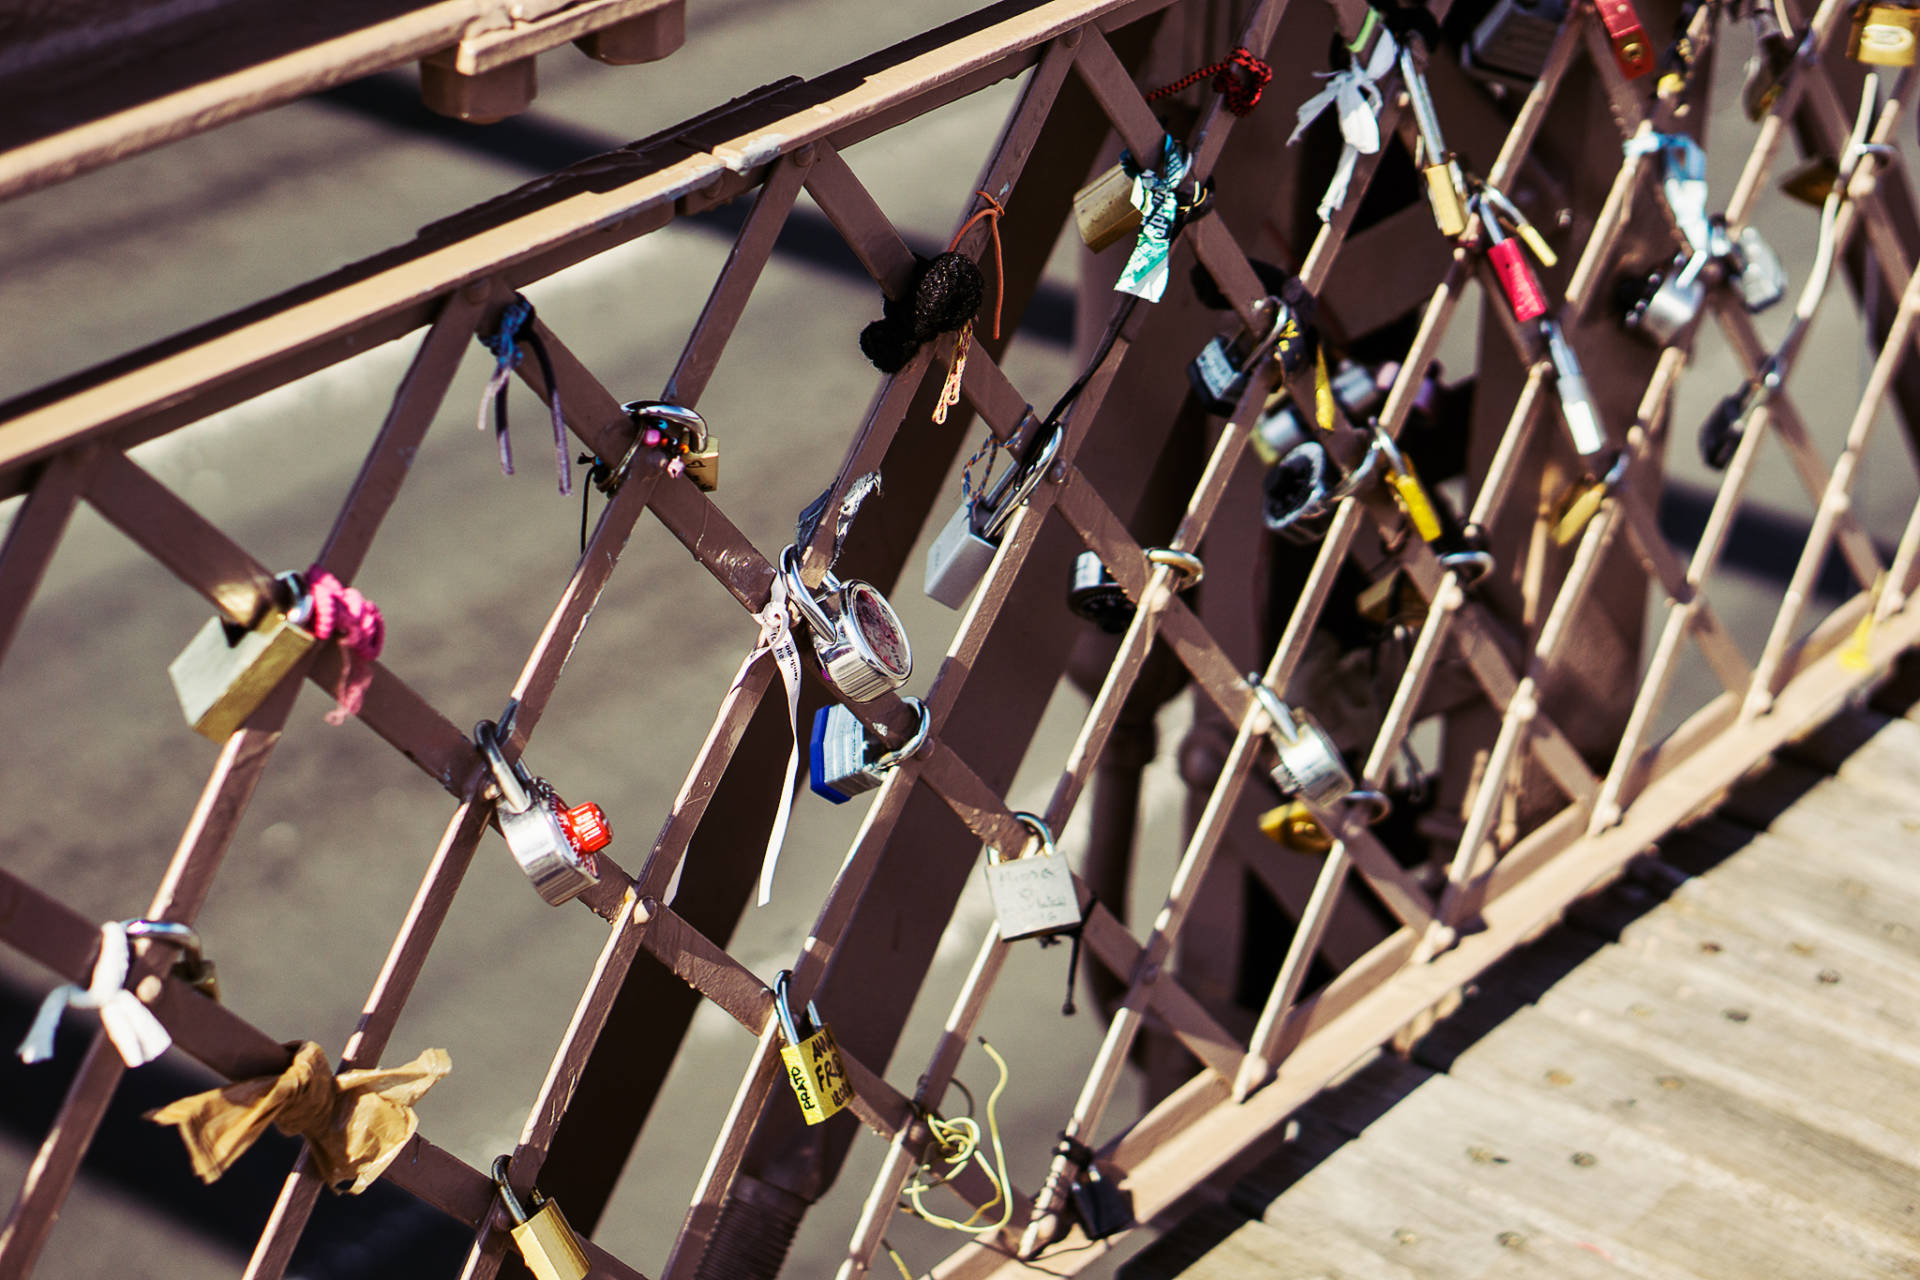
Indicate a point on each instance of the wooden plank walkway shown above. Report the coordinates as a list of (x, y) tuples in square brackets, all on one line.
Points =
[(1710, 1070)]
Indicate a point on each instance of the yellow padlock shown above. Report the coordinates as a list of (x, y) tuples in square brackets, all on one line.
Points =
[(546, 1243), (1883, 35), (811, 1058), (1291, 826), (1406, 486)]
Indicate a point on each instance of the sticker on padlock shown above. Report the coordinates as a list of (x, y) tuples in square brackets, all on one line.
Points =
[(1033, 895), (193, 967), (547, 1244), (811, 1058), (1308, 766), (227, 670), (841, 762), (858, 638), (1576, 403), (1632, 51), (960, 556), (1510, 45), (553, 844), (1883, 35), (1446, 184)]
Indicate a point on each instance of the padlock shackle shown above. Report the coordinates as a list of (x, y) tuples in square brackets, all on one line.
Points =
[(514, 794), (1414, 80), (802, 596), (783, 1010), (1030, 478), (172, 933), (673, 415), (515, 1209), (892, 760), (1279, 714), (1034, 823), (1184, 563)]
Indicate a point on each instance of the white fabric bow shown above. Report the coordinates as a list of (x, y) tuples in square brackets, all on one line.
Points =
[(1357, 98), (135, 1032)]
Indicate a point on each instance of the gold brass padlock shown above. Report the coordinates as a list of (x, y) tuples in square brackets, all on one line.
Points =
[(1104, 209), (814, 1070), (227, 670), (1291, 826), (546, 1243), (1812, 180), (661, 424), (1883, 35), (1443, 194), (1581, 502)]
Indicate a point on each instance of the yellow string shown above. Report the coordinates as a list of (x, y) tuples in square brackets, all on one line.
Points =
[(959, 1142), (897, 1260), (1854, 657)]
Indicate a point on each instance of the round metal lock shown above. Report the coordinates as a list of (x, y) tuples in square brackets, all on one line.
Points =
[(862, 646), (1309, 765)]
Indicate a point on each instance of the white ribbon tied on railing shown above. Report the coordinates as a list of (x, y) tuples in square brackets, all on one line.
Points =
[(135, 1032), (776, 638), (1356, 96)]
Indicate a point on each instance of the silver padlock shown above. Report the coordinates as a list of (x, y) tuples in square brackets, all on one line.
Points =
[(553, 844), (1357, 389), (862, 646), (840, 761), (1218, 375), (1576, 402), (1033, 895), (227, 670), (1670, 301), (1308, 766), (961, 555), (1757, 273), (1510, 45)]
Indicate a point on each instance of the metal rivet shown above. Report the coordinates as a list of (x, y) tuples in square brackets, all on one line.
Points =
[(1585, 1159), (1736, 1015)]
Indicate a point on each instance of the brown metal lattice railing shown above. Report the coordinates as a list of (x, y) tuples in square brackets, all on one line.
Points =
[(1511, 867)]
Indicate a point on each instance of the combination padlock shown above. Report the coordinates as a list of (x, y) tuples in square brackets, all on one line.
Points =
[(1517, 281), (1632, 51), (1032, 894), (1218, 375), (841, 762), (1510, 45), (193, 967), (1096, 595), (961, 555), (547, 1244), (1882, 34), (227, 670), (1307, 765), (812, 1060), (553, 844), (1576, 403), (858, 638), (1446, 184), (680, 432)]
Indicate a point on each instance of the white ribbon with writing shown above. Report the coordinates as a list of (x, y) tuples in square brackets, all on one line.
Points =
[(135, 1032)]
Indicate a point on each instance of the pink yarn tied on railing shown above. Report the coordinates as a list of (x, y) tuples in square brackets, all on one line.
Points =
[(341, 613)]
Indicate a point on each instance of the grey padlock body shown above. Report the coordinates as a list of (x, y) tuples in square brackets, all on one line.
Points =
[(1510, 45), (1757, 273), (1671, 304), (540, 846), (960, 556), (1213, 374), (1309, 766), (1354, 387), (1033, 895)]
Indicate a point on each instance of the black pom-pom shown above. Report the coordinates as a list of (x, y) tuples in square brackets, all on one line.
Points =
[(947, 295), (888, 344)]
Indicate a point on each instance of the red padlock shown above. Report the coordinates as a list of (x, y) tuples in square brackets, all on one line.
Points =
[(1631, 48), (1524, 295), (586, 827)]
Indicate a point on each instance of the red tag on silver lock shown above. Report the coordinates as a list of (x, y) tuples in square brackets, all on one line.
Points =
[(1631, 48), (1516, 281), (585, 825)]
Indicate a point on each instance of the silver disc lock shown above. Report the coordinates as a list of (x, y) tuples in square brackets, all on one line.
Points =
[(862, 646), (962, 553), (553, 844), (1034, 894), (1309, 765), (841, 761)]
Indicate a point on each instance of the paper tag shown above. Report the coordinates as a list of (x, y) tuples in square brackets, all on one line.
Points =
[(1154, 196), (817, 1076), (1033, 895)]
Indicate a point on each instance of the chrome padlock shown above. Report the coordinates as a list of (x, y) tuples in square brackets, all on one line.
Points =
[(227, 670), (841, 763), (1096, 595), (1758, 275), (1510, 45), (1032, 894), (1446, 184), (1670, 301), (684, 435), (858, 638), (553, 844), (1308, 766), (1218, 375), (547, 1244), (193, 967), (961, 555), (812, 1060), (1576, 403), (1883, 35)]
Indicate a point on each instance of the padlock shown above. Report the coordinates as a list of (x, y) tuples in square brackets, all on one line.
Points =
[(1632, 51), (1307, 766), (961, 555), (1720, 433), (1510, 267), (1669, 301), (1510, 45), (1103, 210), (1218, 375), (1758, 274), (1883, 35), (1358, 390), (1446, 184), (227, 670), (691, 442), (1576, 403), (193, 967), (841, 763), (1291, 826), (1812, 180), (1406, 486), (1034, 894), (811, 1058), (1581, 501), (553, 844), (1771, 63), (860, 642), (1096, 595), (546, 1243)]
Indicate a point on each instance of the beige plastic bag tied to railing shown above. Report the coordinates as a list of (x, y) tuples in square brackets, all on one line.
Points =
[(354, 1124)]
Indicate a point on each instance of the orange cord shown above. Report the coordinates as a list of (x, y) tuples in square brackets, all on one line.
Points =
[(992, 213)]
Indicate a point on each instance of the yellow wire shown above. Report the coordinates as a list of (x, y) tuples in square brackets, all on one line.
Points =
[(960, 1145), (897, 1260)]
